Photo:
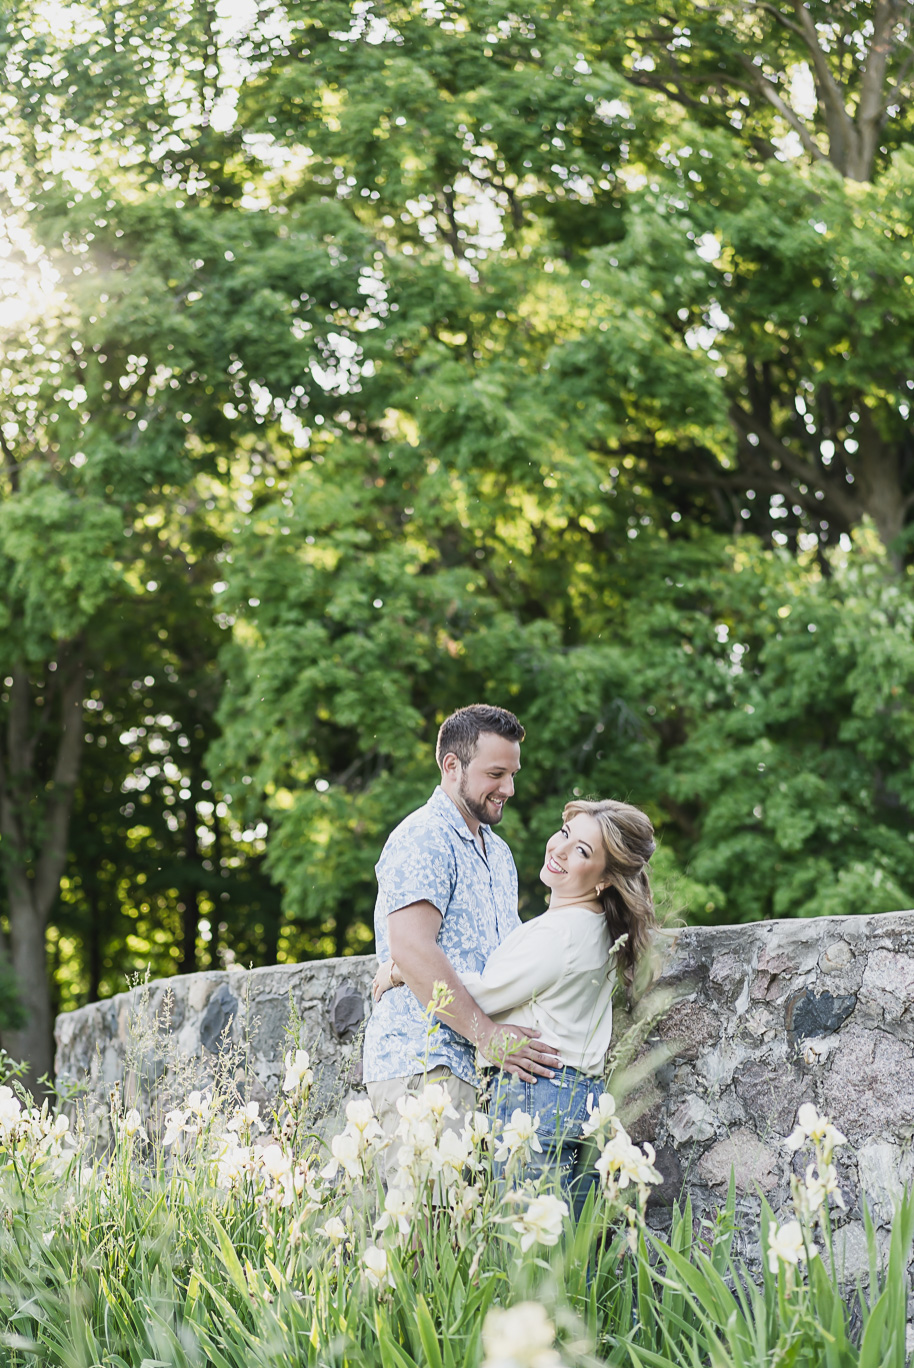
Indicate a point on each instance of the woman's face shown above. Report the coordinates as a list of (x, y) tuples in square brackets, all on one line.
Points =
[(575, 860)]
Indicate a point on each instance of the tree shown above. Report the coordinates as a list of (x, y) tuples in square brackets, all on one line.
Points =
[(616, 301), (125, 400), (786, 735), (721, 195), (809, 308)]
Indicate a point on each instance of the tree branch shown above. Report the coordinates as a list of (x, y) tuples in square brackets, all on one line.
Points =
[(754, 473), (844, 505), (767, 89), (871, 102), (644, 81), (871, 105), (892, 97), (782, 19), (807, 29), (842, 133)]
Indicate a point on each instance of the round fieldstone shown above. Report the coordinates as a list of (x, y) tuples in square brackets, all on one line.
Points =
[(771, 1095), (869, 1088), (743, 1154), (688, 1027), (347, 1011)]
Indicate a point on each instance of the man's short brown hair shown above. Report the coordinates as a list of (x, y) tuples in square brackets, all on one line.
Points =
[(459, 734)]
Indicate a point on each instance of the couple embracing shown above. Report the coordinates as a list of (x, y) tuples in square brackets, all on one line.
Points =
[(530, 1004)]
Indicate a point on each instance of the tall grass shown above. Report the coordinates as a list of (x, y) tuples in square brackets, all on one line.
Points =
[(210, 1234)]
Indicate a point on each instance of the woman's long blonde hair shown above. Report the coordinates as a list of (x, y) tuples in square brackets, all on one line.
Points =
[(628, 905)]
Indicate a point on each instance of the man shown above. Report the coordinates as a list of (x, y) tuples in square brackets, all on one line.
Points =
[(447, 896)]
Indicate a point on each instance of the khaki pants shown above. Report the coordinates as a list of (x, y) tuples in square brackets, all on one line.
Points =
[(385, 1095)]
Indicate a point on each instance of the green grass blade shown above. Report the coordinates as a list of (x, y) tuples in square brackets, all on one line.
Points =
[(392, 1354), (428, 1335), (230, 1260), (871, 1346)]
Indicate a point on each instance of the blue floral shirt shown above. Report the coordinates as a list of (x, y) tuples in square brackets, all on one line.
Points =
[(432, 857)]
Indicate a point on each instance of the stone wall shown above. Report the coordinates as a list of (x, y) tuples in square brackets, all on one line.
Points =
[(761, 1018), (182, 1027), (772, 1015)]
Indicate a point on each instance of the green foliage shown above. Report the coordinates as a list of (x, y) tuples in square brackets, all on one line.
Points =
[(58, 593), (727, 294), (759, 711), (798, 758)]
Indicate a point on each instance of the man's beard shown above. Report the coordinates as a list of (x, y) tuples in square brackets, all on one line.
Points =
[(476, 810)]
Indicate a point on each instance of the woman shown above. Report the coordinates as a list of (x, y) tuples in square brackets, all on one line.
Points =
[(557, 974)]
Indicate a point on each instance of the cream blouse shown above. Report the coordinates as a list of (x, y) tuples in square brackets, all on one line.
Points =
[(556, 974)]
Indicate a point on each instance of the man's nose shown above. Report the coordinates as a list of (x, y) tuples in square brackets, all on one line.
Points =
[(507, 786)]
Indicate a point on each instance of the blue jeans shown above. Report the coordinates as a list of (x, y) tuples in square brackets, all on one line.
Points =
[(561, 1105)]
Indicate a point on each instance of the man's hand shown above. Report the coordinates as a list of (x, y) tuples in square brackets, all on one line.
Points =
[(517, 1050), (388, 976)]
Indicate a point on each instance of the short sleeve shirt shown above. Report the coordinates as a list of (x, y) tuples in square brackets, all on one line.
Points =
[(432, 857)]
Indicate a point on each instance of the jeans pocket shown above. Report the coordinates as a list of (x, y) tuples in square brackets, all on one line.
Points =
[(559, 1106)]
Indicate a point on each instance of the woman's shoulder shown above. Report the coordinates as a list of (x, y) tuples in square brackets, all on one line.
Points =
[(586, 934)]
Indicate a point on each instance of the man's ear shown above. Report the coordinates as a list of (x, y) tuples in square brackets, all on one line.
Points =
[(450, 764)]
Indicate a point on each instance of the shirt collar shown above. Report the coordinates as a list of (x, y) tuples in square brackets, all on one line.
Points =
[(449, 810)]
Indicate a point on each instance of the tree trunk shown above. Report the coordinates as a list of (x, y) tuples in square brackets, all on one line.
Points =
[(28, 957), (35, 846), (877, 470)]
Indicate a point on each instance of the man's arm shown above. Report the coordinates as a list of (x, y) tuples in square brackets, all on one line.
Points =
[(413, 933)]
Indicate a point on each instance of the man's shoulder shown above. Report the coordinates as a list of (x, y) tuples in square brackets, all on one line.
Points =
[(427, 823), (426, 818)]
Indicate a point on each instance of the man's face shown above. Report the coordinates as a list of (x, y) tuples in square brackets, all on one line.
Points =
[(487, 782)]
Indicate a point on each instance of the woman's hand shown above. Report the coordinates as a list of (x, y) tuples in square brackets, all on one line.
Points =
[(388, 976)]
